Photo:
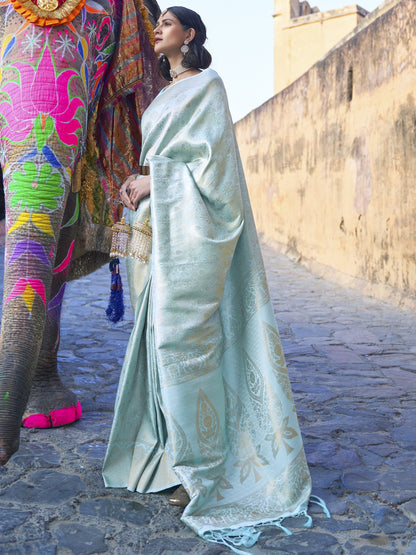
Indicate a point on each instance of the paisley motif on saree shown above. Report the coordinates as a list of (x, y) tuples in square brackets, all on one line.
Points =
[(204, 398)]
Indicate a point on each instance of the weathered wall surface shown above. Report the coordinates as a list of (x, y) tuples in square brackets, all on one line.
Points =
[(331, 160), (300, 42)]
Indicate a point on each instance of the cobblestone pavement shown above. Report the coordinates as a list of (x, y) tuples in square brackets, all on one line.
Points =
[(352, 364)]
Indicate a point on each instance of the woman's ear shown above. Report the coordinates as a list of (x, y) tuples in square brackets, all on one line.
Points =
[(190, 34)]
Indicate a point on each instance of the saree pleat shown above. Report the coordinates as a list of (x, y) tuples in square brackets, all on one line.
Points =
[(216, 407), (138, 460)]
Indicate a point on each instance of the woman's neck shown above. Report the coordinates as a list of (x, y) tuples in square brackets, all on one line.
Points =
[(176, 64), (175, 61)]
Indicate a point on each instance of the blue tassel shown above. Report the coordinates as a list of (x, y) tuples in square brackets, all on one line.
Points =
[(115, 309)]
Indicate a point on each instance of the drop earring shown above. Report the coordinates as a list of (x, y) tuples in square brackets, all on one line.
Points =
[(185, 47)]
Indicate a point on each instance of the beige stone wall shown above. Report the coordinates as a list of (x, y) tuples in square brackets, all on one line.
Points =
[(301, 41), (331, 160)]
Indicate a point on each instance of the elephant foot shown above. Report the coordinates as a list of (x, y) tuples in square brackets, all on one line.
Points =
[(50, 405), (58, 417)]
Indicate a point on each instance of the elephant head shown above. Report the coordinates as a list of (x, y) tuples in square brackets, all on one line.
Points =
[(74, 75)]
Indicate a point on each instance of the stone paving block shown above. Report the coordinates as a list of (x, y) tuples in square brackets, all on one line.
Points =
[(363, 504), (80, 540), (409, 509), (335, 504), (323, 478), (329, 455), (406, 434), (93, 451), (46, 487), (40, 548), (336, 524), (11, 519), (391, 521), (384, 450), (370, 459), (338, 424), (403, 459), (40, 455), (385, 393), (310, 330), (342, 354), (174, 546), (303, 543), (9, 474), (32, 548), (117, 509), (368, 550), (411, 548), (353, 337), (396, 497), (402, 378), (397, 480)]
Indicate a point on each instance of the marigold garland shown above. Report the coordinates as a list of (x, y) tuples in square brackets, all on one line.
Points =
[(64, 14)]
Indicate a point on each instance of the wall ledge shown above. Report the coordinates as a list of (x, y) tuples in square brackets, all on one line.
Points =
[(325, 16)]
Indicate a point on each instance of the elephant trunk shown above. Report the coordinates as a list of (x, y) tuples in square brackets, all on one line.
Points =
[(31, 242), (18, 359)]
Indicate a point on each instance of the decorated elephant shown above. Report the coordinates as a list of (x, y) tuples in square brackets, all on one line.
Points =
[(75, 76)]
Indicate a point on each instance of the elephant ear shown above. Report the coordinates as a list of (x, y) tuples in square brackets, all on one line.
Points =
[(132, 81)]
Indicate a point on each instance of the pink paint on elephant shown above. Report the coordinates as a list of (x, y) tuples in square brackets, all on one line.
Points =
[(59, 417), (65, 263), (40, 92), (21, 286)]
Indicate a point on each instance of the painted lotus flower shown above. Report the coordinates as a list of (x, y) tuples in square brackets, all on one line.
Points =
[(35, 186), (40, 90)]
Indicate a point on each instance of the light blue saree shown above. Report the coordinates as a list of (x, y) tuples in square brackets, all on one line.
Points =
[(204, 396)]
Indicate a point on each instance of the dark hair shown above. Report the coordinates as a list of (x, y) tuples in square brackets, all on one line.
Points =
[(198, 56)]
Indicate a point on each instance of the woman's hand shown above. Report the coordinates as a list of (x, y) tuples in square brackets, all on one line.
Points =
[(139, 188), (133, 190)]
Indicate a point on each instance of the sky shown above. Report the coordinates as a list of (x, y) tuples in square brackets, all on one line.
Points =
[(240, 39)]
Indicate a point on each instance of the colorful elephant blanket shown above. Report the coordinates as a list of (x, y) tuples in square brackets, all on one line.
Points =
[(114, 134)]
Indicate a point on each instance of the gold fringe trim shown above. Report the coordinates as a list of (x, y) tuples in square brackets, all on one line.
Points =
[(86, 177), (66, 13), (147, 24)]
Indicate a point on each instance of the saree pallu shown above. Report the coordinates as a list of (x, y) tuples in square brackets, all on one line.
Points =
[(204, 397)]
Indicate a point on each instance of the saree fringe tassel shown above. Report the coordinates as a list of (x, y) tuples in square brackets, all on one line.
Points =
[(247, 536)]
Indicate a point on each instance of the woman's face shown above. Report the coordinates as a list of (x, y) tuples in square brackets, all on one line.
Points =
[(169, 35)]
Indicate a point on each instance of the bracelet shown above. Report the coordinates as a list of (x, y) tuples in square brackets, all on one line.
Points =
[(144, 170)]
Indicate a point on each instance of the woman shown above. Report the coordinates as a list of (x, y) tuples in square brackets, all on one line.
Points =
[(204, 398)]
